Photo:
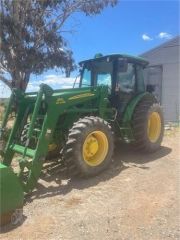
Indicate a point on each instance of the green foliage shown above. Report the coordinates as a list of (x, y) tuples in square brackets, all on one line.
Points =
[(31, 36)]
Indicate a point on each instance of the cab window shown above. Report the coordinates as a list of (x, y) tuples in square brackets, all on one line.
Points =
[(140, 79), (104, 79), (86, 78), (97, 73), (126, 80)]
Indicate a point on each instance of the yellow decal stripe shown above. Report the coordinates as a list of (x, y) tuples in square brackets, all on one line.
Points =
[(81, 96)]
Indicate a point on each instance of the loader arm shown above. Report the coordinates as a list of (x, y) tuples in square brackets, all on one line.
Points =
[(56, 104)]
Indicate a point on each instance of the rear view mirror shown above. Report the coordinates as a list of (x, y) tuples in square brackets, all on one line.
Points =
[(150, 88), (122, 65)]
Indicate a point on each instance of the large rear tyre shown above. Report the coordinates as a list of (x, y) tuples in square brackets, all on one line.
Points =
[(53, 149), (89, 147), (148, 125)]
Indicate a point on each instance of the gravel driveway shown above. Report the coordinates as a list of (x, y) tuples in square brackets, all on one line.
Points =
[(137, 198)]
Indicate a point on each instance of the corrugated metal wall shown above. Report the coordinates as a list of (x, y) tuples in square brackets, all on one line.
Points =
[(167, 56)]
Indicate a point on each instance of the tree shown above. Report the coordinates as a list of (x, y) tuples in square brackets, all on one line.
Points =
[(31, 36)]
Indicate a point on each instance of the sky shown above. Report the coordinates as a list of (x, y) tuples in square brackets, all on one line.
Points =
[(131, 27)]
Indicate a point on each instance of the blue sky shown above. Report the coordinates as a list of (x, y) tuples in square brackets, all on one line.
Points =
[(131, 27), (120, 29)]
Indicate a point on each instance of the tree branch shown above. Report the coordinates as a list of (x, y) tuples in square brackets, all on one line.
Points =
[(6, 81)]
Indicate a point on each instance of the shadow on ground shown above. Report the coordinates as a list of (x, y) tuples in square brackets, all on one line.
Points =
[(10, 227), (53, 171), (124, 157)]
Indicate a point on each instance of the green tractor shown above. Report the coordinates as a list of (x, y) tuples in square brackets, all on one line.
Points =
[(81, 123)]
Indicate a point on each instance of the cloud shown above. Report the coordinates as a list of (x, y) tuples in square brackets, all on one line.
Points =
[(54, 81), (164, 35), (145, 37), (4, 90), (32, 87), (161, 35)]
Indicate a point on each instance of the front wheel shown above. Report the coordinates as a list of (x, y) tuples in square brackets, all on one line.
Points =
[(89, 147)]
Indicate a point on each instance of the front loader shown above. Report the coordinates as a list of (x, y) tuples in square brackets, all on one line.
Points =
[(81, 123)]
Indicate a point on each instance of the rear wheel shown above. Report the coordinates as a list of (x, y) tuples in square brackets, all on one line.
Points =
[(148, 125), (89, 147), (24, 138), (53, 149)]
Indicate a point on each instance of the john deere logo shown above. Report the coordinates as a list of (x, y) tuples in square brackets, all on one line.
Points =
[(60, 101)]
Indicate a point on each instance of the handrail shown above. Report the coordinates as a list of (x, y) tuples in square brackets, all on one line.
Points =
[(35, 112)]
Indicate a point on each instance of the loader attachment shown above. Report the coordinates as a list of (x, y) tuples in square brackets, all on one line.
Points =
[(12, 196)]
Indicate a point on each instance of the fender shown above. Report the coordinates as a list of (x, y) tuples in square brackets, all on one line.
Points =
[(126, 130)]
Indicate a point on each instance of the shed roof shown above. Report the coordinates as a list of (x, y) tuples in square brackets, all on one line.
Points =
[(171, 43)]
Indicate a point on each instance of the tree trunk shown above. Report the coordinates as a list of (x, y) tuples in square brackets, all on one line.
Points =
[(20, 80)]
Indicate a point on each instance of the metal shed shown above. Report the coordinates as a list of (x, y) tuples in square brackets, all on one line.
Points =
[(164, 74)]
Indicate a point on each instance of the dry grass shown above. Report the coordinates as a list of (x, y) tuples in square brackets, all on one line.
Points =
[(1, 112)]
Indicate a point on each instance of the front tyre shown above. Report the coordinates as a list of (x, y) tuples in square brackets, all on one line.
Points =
[(89, 147)]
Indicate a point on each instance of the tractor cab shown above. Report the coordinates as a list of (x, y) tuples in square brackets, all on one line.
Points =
[(123, 74)]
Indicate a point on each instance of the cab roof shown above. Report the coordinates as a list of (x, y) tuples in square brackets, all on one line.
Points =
[(131, 58)]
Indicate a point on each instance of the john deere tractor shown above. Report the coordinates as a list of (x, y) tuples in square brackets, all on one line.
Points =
[(81, 123)]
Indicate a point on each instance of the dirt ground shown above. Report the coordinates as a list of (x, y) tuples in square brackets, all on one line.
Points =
[(137, 198)]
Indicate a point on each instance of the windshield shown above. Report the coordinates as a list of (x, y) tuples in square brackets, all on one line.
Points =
[(96, 74)]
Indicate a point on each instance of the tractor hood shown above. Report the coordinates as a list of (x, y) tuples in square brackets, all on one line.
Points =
[(62, 96)]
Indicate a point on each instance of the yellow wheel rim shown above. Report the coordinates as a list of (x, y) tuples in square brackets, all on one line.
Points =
[(52, 147), (95, 148), (154, 126)]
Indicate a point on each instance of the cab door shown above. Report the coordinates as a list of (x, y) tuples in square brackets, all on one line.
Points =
[(125, 87)]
